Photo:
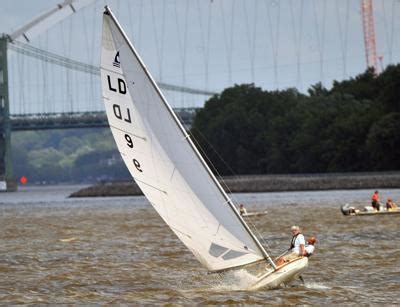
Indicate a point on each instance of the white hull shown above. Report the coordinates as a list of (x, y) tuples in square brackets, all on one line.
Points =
[(282, 275), (366, 211)]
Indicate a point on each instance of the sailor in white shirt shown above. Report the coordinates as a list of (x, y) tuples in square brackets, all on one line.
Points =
[(298, 241)]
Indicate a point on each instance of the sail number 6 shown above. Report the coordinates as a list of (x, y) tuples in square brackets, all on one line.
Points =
[(129, 140)]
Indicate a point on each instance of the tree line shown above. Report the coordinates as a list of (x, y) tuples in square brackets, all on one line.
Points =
[(354, 126)]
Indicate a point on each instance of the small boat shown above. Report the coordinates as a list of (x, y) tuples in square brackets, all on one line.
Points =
[(171, 172), (255, 213), (349, 210)]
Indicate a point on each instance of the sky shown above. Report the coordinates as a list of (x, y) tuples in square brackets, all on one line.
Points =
[(203, 44)]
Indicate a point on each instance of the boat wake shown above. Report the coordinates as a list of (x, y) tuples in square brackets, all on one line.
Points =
[(317, 286), (238, 280)]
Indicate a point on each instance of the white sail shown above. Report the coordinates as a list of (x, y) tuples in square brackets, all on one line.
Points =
[(164, 163)]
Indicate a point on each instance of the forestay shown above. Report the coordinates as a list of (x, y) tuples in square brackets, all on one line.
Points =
[(162, 160)]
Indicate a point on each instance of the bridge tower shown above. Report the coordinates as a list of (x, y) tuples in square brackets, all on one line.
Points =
[(6, 173), (58, 13)]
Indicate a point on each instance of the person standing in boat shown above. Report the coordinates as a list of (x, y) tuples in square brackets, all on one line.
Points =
[(375, 201), (242, 210)]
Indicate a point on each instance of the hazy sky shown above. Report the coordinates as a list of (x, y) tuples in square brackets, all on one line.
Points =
[(214, 44)]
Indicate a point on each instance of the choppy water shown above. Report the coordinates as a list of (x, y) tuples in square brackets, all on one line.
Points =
[(117, 250)]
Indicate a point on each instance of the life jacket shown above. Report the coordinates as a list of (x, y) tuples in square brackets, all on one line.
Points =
[(293, 240)]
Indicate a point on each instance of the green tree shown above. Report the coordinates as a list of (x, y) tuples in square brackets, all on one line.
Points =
[(383, 143)]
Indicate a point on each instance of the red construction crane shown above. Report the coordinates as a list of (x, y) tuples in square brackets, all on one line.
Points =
[(369, 34)]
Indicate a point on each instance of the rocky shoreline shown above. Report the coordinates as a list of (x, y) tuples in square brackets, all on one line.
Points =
[(268, 183)]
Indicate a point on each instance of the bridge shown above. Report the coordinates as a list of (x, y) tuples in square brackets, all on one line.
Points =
[(98, 119), (49, 74)]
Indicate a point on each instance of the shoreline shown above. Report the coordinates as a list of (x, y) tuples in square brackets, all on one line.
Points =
[(267, 183)]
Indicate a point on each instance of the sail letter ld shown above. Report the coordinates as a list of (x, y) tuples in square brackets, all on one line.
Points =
[(126, 116), (121, 85)]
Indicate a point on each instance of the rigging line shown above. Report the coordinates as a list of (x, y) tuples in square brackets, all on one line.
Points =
[(346, 35), (185, 33), (64, 99), (22, 73), (41, 93), (130, 19), (274, 39), (222, 181), (251, 37), (246, 19), (158, 40), (52, 90), (231, 33), (94, 23), (208, 41), (320, 36), (71, 98), (162, 37), (389, 35), (300, 40), (203, 46), (215, 151), (89, 90), (250, 221), (297, 37), (392, 30), (86, 96), (45, 81), (253, 57), (117, 5), (179, 38), (140, 22), (17, 94), (227, 47), (220, 178), (86, 36), (210, 163), (343, 41)]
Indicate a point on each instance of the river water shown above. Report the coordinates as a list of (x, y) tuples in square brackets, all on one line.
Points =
[(54, 249)]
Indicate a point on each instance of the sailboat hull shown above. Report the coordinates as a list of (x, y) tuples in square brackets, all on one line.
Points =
[(282, 275)]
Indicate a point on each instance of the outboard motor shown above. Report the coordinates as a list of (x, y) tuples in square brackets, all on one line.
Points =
[(346, 209)]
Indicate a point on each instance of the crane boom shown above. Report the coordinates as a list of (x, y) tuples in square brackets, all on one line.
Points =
[(367, 11)]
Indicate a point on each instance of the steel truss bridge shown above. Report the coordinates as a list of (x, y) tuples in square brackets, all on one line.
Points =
[(48, 121)]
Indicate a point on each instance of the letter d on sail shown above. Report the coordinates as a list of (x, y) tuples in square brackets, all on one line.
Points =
[(118, 113), (121, 85)]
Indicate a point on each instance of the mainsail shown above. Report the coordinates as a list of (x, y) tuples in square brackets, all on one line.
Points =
[(164, 162)]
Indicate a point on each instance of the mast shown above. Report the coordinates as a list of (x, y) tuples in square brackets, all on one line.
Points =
[(187, 137)]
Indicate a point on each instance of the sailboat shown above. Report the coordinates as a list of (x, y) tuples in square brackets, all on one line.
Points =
[(170, 171)]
